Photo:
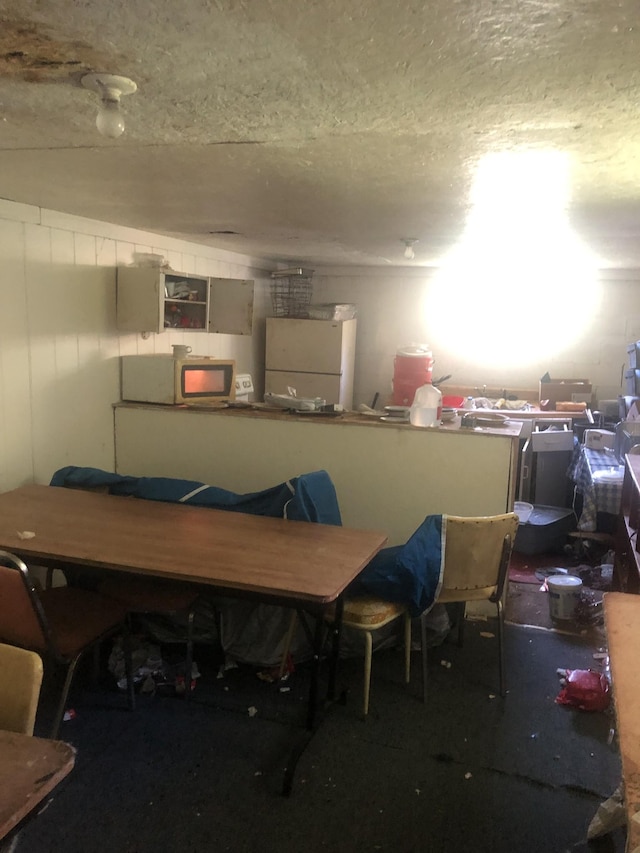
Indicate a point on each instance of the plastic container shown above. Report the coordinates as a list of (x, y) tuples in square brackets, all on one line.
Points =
[(564, 594), (546, 530), (523, 510), (453, 401), (412, 367), (427, 406)]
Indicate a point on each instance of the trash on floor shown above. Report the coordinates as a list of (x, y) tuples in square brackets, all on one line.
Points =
[(610, 815), (151, 674), (585, 689), (277, 673)]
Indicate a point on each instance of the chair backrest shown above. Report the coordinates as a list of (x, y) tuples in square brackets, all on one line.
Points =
[(477, 551), (22, 619), (20, 681)]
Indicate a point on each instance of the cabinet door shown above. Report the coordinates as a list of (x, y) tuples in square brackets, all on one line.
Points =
[(140, 293), (309, 385), (312, 346), (231, 306)]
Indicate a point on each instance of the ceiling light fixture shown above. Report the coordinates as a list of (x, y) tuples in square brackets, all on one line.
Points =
[(110, 87), (408, 247)]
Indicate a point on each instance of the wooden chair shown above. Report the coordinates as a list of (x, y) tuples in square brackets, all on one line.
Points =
[(61, 623), (20, 682), (476, 563)]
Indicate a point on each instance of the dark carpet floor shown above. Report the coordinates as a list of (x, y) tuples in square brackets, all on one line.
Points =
[(468, 772)]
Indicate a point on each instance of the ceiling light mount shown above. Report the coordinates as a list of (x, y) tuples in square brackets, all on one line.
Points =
[(110, 88), (409, 243)]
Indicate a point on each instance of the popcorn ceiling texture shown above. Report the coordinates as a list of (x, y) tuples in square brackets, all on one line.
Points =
[(325, 131)]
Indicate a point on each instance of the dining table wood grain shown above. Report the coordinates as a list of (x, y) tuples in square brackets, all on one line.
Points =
[(30, 768), (295, 561)]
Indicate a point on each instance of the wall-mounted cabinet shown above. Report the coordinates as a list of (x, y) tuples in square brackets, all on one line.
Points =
[(153, 300)]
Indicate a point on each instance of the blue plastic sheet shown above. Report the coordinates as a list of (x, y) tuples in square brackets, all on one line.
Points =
[(409, 574)]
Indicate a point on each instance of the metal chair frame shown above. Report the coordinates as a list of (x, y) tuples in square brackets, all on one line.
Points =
[(495, 598), (70, 662)]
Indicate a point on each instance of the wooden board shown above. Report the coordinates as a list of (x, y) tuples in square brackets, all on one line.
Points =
[(622, 618), (30, 768)]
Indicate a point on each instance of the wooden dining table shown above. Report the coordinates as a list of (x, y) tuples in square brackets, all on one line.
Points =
[(30, 768), (297, 564)]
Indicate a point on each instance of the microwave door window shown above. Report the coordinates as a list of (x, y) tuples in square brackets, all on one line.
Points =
[(213, 382)]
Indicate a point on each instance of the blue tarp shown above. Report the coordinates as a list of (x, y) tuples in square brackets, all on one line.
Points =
[(309, 497), (410, 574)]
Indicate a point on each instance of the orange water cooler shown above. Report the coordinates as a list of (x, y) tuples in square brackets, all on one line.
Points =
[(412, 367)]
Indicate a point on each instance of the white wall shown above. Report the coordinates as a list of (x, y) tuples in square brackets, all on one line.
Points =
[(389, 309), (59, 347)]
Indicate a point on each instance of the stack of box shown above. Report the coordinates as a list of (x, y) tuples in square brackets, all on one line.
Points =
[(632, 375)]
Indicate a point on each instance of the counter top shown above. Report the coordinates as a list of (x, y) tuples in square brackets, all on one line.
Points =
[(511, 428)]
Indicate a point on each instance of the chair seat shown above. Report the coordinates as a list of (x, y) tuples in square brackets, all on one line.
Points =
[(99, 615), (370, 613), (146, 595)]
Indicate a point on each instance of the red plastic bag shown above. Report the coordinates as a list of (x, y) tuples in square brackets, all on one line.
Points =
[(585, 689)]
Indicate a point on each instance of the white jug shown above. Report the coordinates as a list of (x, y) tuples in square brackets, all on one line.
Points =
[(427, 406), (180, 350)]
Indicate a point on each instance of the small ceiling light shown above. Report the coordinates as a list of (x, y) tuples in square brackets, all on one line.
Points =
[(408, 247), (109, 87)]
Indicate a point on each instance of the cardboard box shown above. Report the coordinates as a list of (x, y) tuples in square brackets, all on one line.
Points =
[(562, 390), (598, 439), (633, 413), (632, 380)]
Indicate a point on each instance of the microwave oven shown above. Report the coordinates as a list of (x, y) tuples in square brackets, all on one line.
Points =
[(159, 378)]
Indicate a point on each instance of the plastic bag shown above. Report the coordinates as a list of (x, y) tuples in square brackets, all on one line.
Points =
[(585, 689)]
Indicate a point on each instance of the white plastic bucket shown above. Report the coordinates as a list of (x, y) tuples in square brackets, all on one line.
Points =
[(564, 594)]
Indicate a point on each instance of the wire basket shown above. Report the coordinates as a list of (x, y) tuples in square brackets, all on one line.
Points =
[(291, 292)]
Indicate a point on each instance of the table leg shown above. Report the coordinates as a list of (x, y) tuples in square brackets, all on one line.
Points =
[(312, 707), (336, 636)]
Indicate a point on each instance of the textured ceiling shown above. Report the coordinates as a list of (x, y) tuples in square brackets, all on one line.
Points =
[(320, 131)]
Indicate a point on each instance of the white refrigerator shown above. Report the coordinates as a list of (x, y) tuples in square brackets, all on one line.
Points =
[(316, 357)]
